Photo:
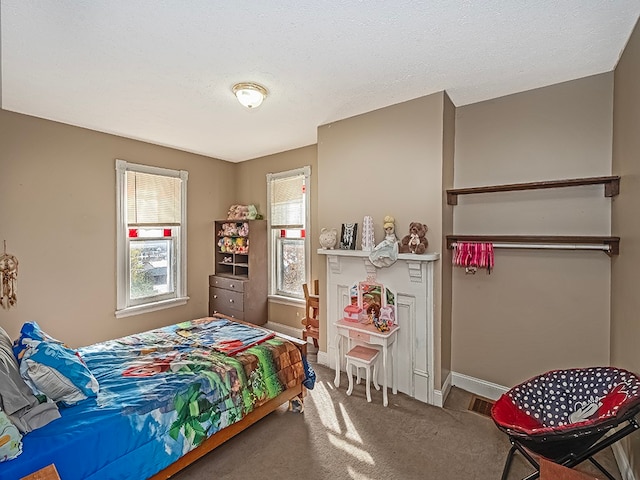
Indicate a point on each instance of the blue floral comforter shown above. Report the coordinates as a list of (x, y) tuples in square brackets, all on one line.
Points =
[(162, 393)]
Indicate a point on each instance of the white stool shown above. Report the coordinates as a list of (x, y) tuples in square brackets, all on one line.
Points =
[(362, 357)]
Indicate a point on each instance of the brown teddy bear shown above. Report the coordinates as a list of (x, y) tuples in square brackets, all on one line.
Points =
[(416, 240)]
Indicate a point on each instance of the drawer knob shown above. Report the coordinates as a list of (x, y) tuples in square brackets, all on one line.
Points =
[(231, 285), (231, 300), (215, 296)]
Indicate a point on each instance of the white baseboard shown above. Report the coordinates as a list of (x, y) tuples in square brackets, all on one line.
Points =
[(477, 386), (286, 329), (623, 462), (323, 358), (440, 396)]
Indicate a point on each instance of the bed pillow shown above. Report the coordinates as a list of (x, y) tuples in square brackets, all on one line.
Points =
[(51, 368), (10, 439)]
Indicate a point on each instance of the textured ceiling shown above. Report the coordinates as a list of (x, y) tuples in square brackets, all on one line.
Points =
[(161, 71)]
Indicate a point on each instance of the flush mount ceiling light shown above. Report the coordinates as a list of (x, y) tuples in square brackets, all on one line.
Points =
[(249, 94)]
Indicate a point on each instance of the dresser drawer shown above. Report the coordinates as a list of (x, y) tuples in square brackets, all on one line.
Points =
[(225, 299), (229, 312), (226, 283)]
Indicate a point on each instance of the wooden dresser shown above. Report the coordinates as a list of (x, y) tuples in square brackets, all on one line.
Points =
[(238, 288)]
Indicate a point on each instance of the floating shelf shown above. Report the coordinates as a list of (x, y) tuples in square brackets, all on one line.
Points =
[(610, 245), (611, 187)]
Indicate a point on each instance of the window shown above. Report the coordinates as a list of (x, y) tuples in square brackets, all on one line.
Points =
[(288, 222), (152, 238)]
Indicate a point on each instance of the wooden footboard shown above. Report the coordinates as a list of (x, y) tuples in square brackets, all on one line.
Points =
[(229, 432)]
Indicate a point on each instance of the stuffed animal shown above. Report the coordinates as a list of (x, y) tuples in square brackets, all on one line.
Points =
[(238, 212), (229, 229), (241, 245), (227, 245), (252, 212), (416, 240)]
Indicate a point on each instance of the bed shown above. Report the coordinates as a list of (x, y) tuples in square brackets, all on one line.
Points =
[(166, 397)]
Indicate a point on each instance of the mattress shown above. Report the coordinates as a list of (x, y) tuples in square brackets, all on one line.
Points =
[(162, 393)]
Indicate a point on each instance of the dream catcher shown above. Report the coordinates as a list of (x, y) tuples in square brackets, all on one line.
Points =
[(8, 279)]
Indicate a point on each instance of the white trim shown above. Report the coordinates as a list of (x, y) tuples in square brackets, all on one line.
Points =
[(424, 257), (477, 386), (624, 465), (123, 309), (286, 329), (306, 171), (121, 213), (288, 301), (182, 272), (138, 167), (440, 396), (323, 359), (151, 307)]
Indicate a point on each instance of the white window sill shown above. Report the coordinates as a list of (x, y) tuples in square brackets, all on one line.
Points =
[(291, 302), (151, 307)]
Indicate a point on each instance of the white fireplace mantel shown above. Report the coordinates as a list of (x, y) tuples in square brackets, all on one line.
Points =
[(412, 260), (411, 277)]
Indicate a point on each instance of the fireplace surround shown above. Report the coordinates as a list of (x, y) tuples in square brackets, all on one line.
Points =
[(412, 278)]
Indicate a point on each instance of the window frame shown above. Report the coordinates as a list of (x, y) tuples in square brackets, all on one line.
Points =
[(124, 306), (273, 246)]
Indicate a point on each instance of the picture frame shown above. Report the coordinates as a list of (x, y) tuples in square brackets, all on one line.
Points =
[(348, 236)]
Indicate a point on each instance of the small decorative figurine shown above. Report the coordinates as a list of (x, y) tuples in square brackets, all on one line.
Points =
[(328, 238), (386, 252), (368, 239)]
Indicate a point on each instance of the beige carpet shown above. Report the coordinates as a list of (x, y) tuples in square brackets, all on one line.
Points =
[(344, 437)]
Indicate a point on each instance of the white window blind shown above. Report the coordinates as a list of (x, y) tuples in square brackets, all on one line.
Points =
[(287, 202), (153, 199)]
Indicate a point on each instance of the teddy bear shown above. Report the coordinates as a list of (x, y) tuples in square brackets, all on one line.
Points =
[(416, 240)]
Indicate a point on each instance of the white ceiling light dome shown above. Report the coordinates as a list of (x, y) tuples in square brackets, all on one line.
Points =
[(250, 94)]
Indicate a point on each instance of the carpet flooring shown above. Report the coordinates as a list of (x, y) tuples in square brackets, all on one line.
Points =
[(344, 437)]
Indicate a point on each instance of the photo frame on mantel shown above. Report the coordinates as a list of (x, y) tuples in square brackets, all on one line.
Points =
[(348, 236)]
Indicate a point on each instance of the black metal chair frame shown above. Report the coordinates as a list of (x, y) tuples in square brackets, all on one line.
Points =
[(587, 442)]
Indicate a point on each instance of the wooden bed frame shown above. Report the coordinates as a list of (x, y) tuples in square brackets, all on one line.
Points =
[(232, 430), (50, 473)]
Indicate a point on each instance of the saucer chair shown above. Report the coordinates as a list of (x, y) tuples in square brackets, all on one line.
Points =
[(564, 415)]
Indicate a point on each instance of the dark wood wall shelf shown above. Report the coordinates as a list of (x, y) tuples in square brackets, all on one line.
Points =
[(611, 187), (610, 245)]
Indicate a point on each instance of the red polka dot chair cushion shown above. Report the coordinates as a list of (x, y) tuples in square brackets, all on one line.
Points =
[(566, 401)]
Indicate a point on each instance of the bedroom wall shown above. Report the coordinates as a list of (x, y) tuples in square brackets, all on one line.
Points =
[(625, 302), (539, 309), (252, 188), (57, 197), (386, 162)]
